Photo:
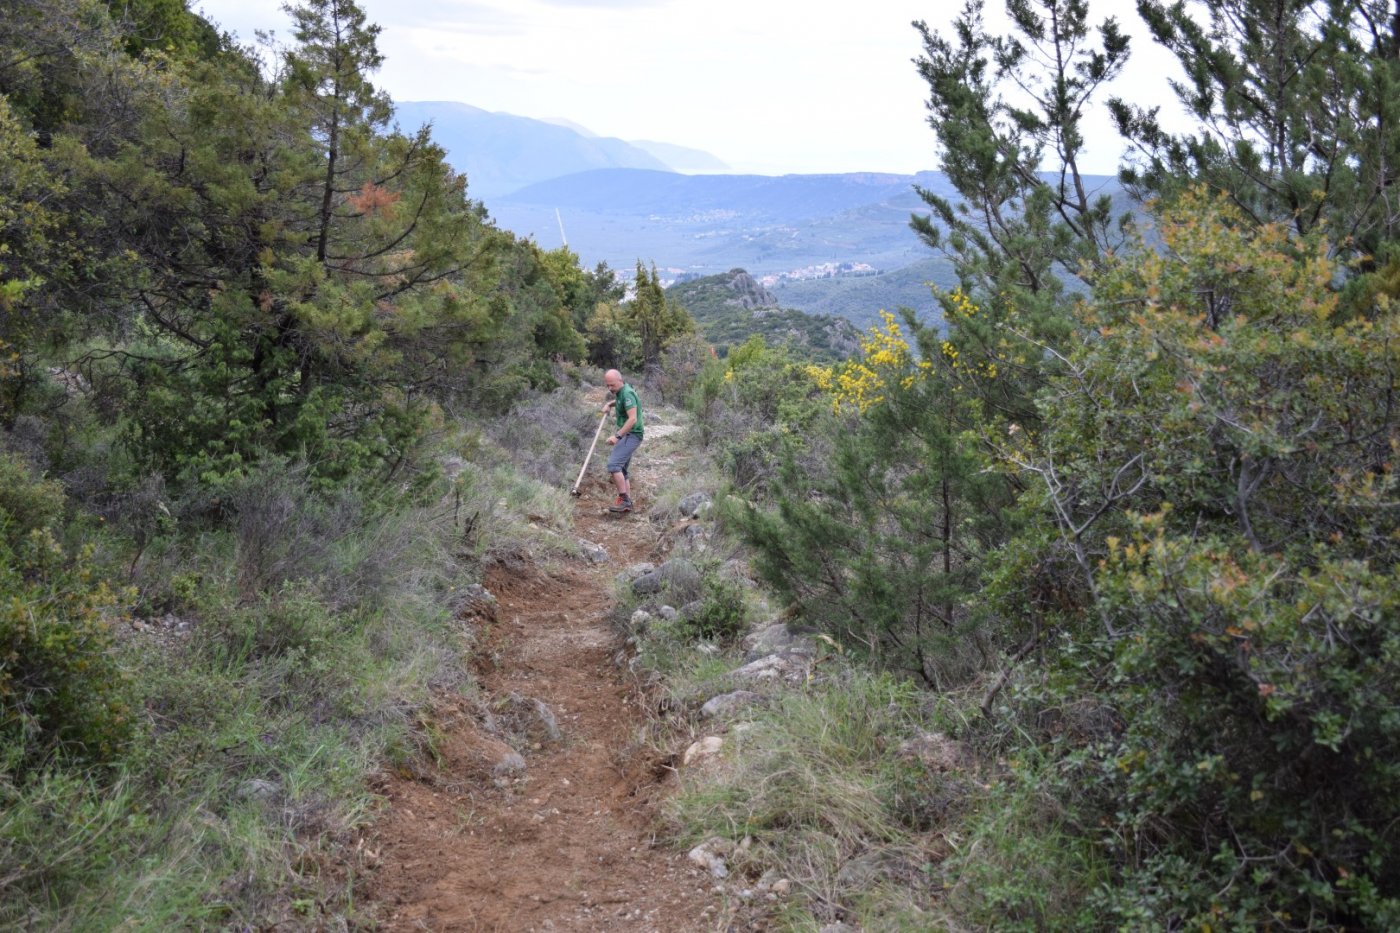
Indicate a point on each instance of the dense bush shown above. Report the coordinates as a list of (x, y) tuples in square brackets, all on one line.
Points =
[(1216, 465), (61, 692), (878, 529), (721, 613)]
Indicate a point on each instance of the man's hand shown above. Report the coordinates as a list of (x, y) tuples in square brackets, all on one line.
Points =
[(612, 438), (609, 406)]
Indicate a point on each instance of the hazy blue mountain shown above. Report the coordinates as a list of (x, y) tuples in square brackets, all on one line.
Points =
[(500, 152), (704, 224), (825, 244), (681, 158)]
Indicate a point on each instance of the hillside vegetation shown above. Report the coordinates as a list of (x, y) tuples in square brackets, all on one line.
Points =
[(253, 343), (731, 308), (1133, 536)]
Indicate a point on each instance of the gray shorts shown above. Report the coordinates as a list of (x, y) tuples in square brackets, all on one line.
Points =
[(622, 454)]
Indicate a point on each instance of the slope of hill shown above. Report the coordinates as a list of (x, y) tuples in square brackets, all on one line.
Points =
[(500, 152), (681, 158), (731, 307), (861, 299)]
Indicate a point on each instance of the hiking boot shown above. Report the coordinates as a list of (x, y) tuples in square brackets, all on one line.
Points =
[(621, 504)]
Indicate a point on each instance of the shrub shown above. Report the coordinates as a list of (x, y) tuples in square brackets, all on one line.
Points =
[(721, 614), (1216, 476), (61, 692)]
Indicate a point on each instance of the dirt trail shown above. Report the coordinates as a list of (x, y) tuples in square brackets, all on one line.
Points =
[(567, 843)]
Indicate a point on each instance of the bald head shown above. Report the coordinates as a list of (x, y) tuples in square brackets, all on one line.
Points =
[(613, 380)]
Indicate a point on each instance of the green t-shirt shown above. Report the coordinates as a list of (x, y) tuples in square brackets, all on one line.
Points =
[(627, 399)]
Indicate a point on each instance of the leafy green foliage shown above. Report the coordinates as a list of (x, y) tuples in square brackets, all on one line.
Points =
[(754, 407), (878, 541), (632, 336), (1214, 461), (1027, 216), (61, 692), (721, 614)]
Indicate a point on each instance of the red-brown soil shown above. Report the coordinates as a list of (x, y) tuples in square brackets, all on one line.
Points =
[(569, 843)]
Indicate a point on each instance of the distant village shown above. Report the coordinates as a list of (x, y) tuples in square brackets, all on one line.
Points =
[(825, 270)]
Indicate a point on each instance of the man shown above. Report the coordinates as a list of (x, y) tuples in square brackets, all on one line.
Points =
[(625, 439)]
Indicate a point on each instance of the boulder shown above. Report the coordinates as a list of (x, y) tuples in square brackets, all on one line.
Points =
[(778, 638), (634, 571), (867, 869), (701, 750), (677, 575), (259, 789), (691, 609), (936, 752), (478, 601), (693, 504), (510, 762), (728, 703), (783, 666), (529, 717), (710, 855)]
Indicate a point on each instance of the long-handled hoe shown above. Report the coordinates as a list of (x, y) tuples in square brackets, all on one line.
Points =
[(596, 434)]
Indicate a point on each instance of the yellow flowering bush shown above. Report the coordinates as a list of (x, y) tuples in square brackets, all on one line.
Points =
[(886, 359)]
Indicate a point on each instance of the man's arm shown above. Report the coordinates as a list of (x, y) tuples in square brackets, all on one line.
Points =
[(629, 424)]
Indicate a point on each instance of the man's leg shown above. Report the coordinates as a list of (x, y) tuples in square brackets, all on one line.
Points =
[(618, 462)]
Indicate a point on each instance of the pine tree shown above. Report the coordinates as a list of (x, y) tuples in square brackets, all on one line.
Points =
[(1298, 110)]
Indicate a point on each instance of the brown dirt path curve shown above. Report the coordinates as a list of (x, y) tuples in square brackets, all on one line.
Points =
[(568, 844)]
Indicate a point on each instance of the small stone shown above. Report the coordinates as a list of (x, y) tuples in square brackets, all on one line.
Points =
[(511, 763), (707, 747), (782, 887), (479, 601), (593, 553), (258, 789), (936, 752), (775, 639), (704, 858), (667, 612), (640, 619), (784, 666)]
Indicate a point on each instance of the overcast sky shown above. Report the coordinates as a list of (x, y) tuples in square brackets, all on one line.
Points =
[(767, 86)]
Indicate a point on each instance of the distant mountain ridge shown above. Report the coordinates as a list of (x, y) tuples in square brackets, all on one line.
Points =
[(502, 152), (793, 231), (622, 202)]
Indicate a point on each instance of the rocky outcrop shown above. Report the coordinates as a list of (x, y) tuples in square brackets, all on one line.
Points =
[(747, 292)]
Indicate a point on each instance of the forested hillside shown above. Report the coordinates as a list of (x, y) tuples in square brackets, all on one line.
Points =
[(248, 334), (1076, 608), (731, 308), (1135, 538)]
